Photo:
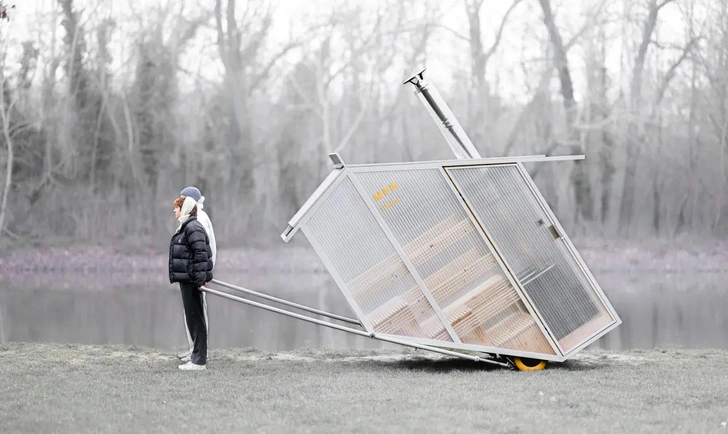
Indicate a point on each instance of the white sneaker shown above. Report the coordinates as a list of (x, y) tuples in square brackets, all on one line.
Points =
[(184, 356), (189, 366)]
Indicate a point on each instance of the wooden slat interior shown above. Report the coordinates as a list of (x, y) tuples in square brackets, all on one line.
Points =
[(395, 317), (491, 314), (375, 280), (472, 318)]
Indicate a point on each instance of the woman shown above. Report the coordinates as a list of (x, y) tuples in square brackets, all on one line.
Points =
[(190, 264), (203, 218)]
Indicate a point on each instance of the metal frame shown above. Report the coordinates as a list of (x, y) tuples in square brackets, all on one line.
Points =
[(286, 302), (482, 348), (551, 336), (432, 164), (380, 337), (335, 177), (403, 256), (501, 263), (323, 191)]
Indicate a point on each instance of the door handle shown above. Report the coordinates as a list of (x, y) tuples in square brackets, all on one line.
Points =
[(554, 232)]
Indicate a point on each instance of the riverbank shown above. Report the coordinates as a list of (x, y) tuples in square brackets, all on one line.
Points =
[(600, 255), (107, 266)]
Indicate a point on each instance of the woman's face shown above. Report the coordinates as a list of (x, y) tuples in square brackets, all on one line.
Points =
[(177, 212)]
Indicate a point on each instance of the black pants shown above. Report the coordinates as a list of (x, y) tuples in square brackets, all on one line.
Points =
[(195, 317)]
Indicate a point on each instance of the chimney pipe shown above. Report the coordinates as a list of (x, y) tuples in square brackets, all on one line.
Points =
[(445, 119)]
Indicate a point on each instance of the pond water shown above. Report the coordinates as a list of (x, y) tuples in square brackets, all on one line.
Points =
[(657, 310)]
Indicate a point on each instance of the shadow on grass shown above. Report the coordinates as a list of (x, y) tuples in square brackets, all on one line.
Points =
[(454, 364), (574, 365), (435, 365)]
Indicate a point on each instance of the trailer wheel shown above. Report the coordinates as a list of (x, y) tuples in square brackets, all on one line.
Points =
[(524, 364)]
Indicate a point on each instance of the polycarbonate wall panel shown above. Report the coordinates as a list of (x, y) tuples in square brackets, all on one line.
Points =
[(358, 250), (508, 211), (422, 211)]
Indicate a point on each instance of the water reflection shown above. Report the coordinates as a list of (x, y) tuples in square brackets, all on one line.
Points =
[(657, 310)]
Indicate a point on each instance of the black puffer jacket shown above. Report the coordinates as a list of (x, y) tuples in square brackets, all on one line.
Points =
[(190, 256)]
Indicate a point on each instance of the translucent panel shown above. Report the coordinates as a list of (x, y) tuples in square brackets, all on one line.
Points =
[(508, 211), (374, 276), (449, 253)]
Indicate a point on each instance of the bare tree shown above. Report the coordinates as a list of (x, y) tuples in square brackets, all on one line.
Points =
[(479, 95), (714, 64), (3, 335), (635, 126), (579, 176), (20, 142), (6, 108), (600, 111), (256, 138), (246, 69)]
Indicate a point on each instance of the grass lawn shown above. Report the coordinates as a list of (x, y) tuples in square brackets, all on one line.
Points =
[(119, 389)]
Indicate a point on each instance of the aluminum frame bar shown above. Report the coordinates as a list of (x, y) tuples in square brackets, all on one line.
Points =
[(349, 329), (464, 163), (498, 351), (287, 303), (333, 178)]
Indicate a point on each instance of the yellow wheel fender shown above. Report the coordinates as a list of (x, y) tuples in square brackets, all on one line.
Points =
[(523, 364)]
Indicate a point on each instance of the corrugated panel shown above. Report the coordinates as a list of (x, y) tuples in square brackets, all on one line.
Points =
[(374, 274), (444, 246), (506, 208)]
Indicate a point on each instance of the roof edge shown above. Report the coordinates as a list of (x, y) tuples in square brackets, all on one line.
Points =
[(293, 223), (474, 161)]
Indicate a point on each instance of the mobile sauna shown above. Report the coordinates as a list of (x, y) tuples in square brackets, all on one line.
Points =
[(462, 257)]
